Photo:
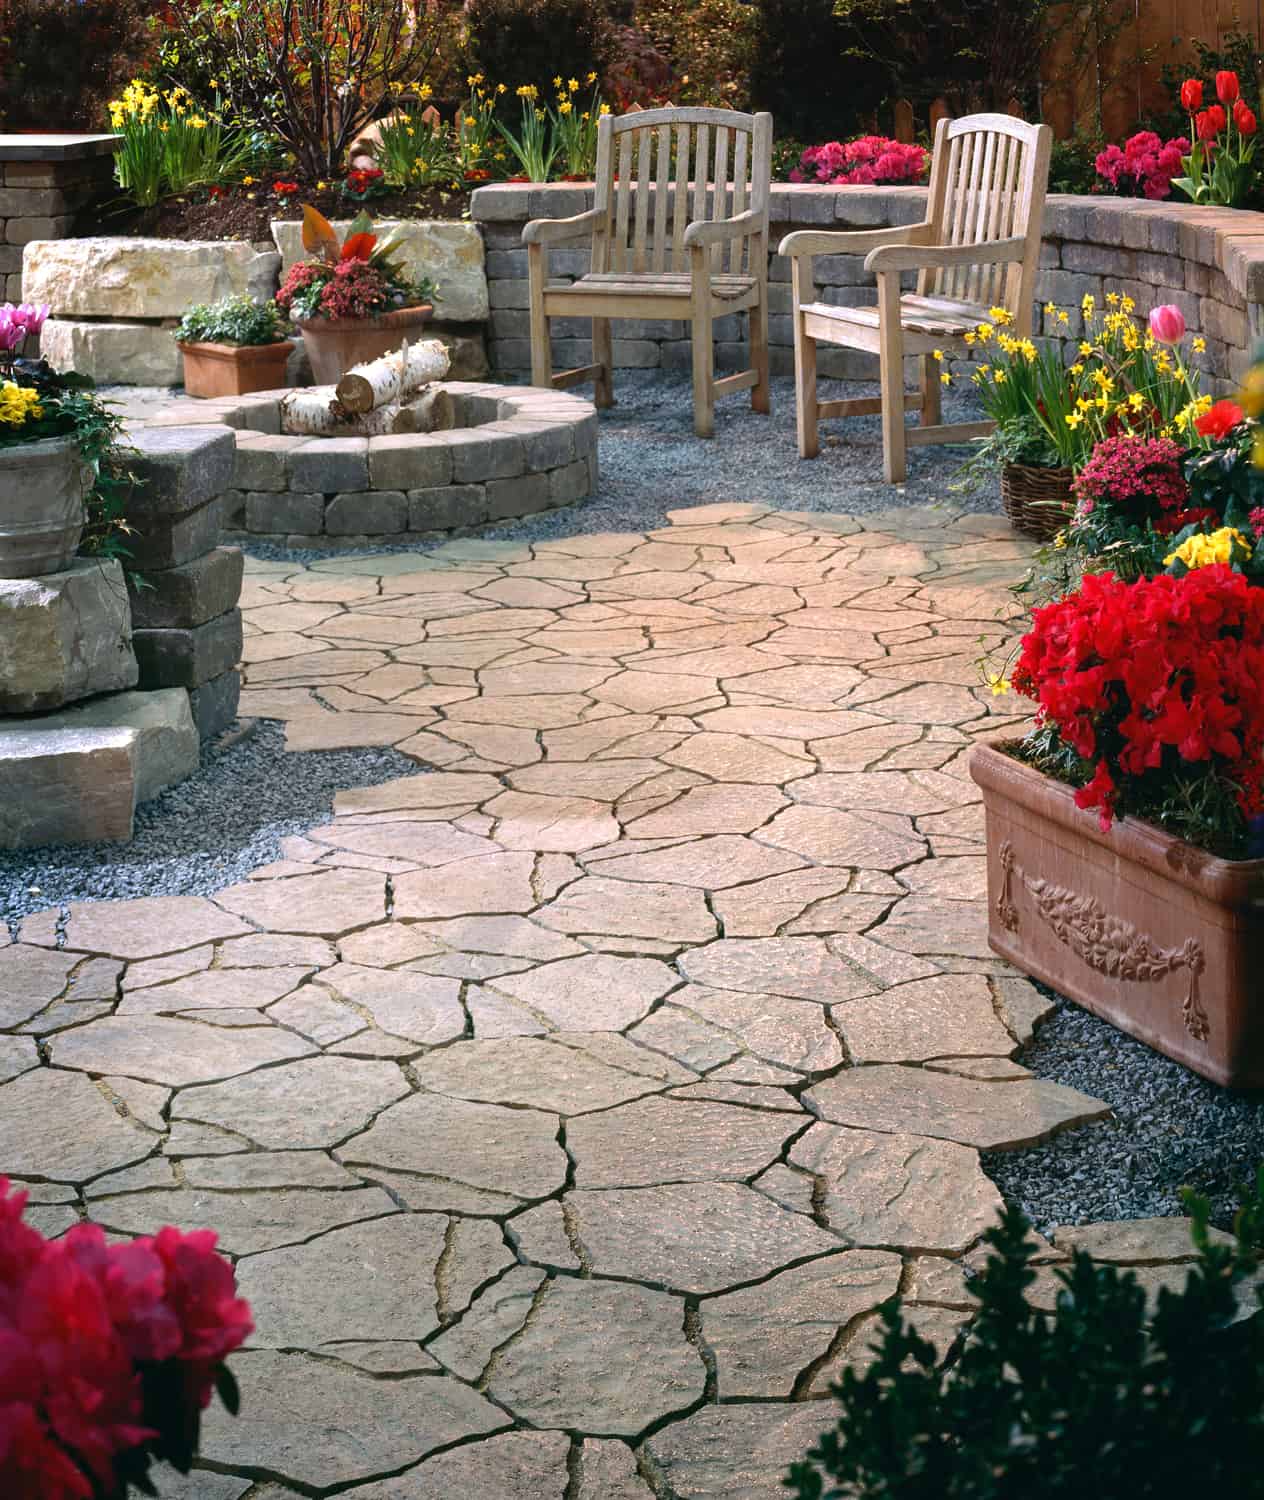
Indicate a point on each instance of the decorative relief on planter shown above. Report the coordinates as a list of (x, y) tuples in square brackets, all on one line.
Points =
[(1106, 943)]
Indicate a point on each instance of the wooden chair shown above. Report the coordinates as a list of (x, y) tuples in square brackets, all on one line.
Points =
[(672, 249), (978, 247)]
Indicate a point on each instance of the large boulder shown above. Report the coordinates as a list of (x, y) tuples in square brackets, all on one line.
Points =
[(77, 776), (110, 277), (113, 353), (65, 636), (448, 251)]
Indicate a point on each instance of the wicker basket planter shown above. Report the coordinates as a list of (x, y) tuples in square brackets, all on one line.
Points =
[(1038, 501), (1161, 939), (335, 344)]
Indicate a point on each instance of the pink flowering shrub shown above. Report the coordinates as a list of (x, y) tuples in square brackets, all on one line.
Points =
[(108, 1354), (871, 159), (1144, 167)]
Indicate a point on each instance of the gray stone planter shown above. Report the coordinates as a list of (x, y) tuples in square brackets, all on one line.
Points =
[(42, 487)]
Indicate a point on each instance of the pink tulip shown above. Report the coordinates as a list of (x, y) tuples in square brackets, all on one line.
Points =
[(1167, 323)]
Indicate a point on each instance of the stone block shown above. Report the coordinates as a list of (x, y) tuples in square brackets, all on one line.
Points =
[(467, 351), (192, 594), (113, 353), (409, 461), (188, 658), (482, 453), (503, 202), (179, 469), (168, 541), (260, 461), (38, 229), (523, 495), (547, 444), (110, 277), (636, 354), (447, 507), (570, 483), (288, 512), (214, 704), (76, 777), (329, 465), (64, 636), (234, 510), (508, 356), (509, 294), (448, 251), (367, 513)]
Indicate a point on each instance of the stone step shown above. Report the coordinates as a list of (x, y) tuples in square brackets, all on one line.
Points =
[(77, 776)]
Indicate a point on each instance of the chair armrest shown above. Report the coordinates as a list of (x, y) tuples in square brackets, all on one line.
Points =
[(851, 241), (716, 231), (931, 257), (549, 231)]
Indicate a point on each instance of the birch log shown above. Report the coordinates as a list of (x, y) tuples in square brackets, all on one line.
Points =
[(310, 413), (432, 411), (380, 381)]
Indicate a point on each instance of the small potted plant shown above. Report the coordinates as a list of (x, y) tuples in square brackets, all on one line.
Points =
[(233, 347), (352, 301)]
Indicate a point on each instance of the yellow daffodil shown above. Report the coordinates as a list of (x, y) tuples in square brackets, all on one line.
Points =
[(945, 378), (1200, 345), (1073, 419), (1085, 348), (1112, 299), (937, 354), (998, 684), (1001, 316)]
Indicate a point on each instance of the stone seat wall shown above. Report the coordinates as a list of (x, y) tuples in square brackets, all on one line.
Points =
[(1208, 261)]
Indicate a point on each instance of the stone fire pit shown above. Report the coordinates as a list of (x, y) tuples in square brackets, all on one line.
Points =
[(514, 451)]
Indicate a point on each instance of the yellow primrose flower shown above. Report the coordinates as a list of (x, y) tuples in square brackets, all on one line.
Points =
[(1202, 551)]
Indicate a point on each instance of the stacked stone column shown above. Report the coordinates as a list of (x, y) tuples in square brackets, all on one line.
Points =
[(45, 180), (184, 587)]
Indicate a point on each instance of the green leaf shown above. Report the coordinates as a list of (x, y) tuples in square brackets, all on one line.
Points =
[(227, 1389)]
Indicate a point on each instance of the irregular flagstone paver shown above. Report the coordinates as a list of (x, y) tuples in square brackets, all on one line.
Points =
[(740, 1452), (321, 1423), (511, 1153), (988, 1116), (671, 1140), (701, 835), (598, 1355), (765, 1336), (513, 1466), (316, 1102), (896, 1190), (692, 1237)]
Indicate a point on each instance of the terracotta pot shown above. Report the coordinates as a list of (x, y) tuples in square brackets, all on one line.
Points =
[(42, 489), (336, 344), (234, 369), (1157, 937), (1038, 501)]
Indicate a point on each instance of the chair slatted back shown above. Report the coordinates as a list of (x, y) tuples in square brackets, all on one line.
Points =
[(660, 170), (988, 182)]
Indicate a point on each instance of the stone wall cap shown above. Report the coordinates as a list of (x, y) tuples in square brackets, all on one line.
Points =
[(57, 147)]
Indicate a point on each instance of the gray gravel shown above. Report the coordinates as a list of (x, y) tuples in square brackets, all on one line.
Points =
[(212, 830), (651, 463), (1170, 1128)]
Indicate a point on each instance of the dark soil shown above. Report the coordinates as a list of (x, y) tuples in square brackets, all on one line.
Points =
[(245, 212)]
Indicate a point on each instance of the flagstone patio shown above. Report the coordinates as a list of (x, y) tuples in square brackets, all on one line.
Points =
[(571, 1106)]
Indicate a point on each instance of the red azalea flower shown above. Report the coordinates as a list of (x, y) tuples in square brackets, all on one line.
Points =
[(1220, 420)]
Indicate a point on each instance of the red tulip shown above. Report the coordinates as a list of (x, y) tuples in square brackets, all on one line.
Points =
[(1204, 129), (1192, 95), (1220, 420), (1244, 118), (1227, 88)]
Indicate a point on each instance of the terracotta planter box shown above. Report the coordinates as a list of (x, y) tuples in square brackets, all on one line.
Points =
[(1153, 935), (234, 369), (334, 345)]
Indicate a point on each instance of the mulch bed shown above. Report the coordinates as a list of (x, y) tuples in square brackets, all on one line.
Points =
[(245, 213)]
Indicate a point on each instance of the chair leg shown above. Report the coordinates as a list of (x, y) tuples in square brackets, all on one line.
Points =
[(703, 375), (541, 352), (761, 391), (932, 386), (891, 360), (603, 357), (807, 420)]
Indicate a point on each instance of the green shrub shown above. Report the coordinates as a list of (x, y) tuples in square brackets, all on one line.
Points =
[(234, 320), (523, 43), (802, 73), (1098, 1401), (1071, 167), (711, 44), (60, 60)]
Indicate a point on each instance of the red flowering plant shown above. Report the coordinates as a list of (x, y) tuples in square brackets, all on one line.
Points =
[(1226, 484), (1220, 166), (1144, 166), (870, 159), (1149, 702), (108, 1355), (363, 183), (356, 277)]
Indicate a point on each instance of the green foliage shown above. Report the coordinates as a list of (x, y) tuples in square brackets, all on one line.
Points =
[(1095, 1399), (60, 60), (416, 149), (1237, 53), (1071, 166), (530, 42), (711, 44), (234, 320), (534, 144), (170, 144)]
